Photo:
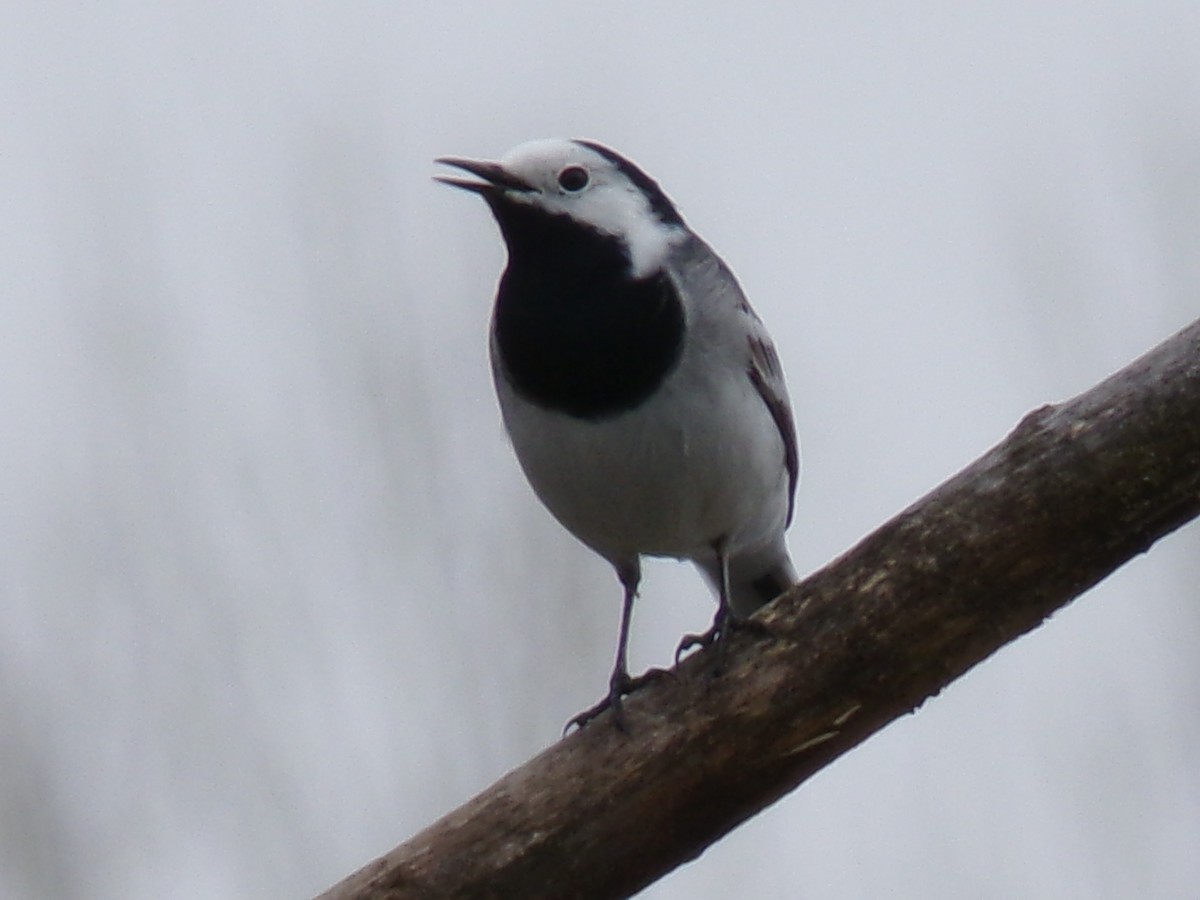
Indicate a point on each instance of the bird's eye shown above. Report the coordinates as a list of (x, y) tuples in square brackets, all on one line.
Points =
[(573, 179)]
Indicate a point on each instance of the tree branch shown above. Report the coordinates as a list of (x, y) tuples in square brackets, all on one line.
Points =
[(1075, 491)]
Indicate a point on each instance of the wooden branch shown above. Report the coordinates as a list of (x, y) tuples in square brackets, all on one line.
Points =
[(1076, 490)]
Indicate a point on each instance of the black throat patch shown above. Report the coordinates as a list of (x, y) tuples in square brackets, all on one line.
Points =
[(575, 332)]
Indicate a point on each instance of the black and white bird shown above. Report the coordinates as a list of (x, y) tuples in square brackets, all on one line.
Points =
[(642, 394)]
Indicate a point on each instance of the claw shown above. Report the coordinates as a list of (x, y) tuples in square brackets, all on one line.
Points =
[(620, 687), (688, 641), (593, 711), (722, 628)]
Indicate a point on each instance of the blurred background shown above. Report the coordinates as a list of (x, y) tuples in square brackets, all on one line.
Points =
[(273, 593)]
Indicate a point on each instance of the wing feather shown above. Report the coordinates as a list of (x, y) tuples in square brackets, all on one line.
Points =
[(766, 374)]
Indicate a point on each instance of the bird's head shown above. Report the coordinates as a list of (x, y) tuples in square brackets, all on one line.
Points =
[(577, 184)]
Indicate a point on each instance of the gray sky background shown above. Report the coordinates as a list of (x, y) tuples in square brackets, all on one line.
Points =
[(273, 594)]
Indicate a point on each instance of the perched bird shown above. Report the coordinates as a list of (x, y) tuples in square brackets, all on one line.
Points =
[(643, 396)]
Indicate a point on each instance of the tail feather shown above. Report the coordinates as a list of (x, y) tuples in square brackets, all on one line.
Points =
[(755, 577)]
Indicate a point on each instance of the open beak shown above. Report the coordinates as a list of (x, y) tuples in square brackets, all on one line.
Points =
[(494, 176)]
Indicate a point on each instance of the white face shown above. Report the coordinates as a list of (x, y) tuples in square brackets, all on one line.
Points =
[(574, 180)]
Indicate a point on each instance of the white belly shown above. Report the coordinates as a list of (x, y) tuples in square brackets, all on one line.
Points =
[(666, 479)]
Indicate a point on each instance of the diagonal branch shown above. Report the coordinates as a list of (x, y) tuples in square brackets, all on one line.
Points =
[(1075, 491)]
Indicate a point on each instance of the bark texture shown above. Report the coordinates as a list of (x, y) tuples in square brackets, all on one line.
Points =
[(1072, 493)]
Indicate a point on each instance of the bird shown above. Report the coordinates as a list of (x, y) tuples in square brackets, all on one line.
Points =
[(643, 396)]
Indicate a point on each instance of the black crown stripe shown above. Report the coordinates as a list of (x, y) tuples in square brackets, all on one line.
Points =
[(660, 204)]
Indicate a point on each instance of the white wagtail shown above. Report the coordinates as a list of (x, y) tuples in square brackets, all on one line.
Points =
[(642, 394)]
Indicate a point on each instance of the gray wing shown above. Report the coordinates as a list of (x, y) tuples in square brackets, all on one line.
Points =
[(766, 374), (707, 276)]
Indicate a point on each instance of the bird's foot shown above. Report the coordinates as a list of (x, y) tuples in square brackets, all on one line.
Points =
[(619, 687), (688, 641), (722, 627)]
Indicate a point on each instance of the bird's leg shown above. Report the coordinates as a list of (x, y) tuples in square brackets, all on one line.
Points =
[(723, 621), (620, 684)]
